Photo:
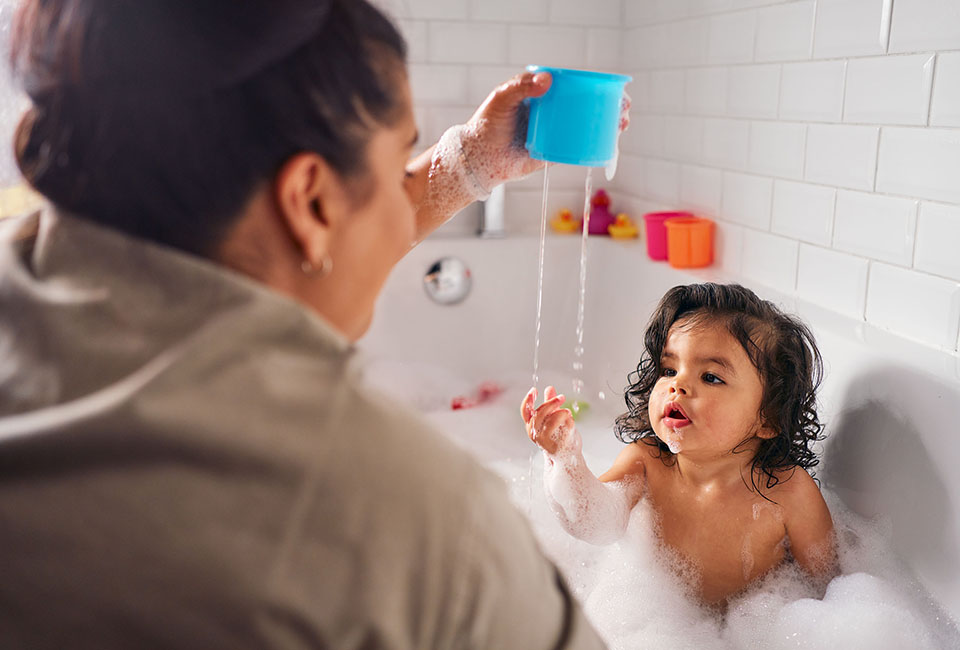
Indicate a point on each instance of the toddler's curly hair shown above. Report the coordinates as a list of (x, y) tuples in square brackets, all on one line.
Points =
[(780, 346)]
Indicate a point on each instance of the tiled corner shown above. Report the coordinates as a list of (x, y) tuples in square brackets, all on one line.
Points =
[(913, 304), (938, 238), (803, 211), (879, 227), (889, 89), (833, 280)]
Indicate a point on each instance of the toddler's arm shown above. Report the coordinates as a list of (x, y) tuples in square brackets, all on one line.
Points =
[(588, 509), (810, 528)]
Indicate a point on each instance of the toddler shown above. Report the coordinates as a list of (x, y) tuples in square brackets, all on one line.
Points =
[(720, 422)]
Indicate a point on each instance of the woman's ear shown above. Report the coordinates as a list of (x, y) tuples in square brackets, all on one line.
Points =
[(309, 197)]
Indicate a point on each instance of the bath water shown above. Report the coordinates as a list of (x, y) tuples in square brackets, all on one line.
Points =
[(543, 239), (578, 350)]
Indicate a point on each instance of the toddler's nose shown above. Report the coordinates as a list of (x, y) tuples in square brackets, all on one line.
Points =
[(675, 387)]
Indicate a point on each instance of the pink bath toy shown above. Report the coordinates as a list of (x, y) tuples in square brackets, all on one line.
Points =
[(657, 232), (485, 392), (600, 215)]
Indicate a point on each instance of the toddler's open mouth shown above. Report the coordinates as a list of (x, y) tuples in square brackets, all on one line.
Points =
[(674, 416)]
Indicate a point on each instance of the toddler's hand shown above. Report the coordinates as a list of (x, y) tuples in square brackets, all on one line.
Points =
[(548, 425)]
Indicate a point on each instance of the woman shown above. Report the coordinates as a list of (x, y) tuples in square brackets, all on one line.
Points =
[(187, 457)]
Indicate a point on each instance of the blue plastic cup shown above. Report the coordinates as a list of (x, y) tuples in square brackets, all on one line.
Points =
[(577, 121)]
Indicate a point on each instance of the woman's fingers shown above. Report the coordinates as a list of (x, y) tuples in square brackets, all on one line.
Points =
[(508, 96)]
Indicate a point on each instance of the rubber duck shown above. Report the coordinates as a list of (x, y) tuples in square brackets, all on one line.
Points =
[(564, 222), (622, 227), (600, 216)]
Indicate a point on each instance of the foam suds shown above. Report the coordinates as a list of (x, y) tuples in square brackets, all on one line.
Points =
[(637, 596), (674, 440)]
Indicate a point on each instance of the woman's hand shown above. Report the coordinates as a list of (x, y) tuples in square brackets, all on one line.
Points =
[(550, 426), (471, 159), (494, 138)]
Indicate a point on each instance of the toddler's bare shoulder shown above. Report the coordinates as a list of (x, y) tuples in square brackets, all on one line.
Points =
[(796, 488), (630, 462)]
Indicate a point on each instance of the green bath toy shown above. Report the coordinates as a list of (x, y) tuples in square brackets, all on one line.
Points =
[(576, 408)]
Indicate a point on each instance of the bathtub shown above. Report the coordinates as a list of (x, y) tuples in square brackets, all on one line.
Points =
[(892, 407)]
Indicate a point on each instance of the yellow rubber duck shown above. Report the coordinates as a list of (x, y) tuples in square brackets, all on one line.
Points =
[(622, 227), (564, 222)]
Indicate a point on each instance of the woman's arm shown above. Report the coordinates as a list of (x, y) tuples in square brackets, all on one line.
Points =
[(471, 159), (590, 509)]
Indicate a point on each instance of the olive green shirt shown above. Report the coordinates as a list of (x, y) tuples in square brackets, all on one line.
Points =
[(190, 460)]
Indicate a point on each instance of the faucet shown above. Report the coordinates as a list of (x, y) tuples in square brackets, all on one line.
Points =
[(491, 218)]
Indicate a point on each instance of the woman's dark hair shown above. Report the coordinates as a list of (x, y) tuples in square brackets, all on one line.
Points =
[(160, 118), (781, 348)]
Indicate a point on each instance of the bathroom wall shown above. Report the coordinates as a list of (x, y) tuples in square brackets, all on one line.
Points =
[(823, 137)]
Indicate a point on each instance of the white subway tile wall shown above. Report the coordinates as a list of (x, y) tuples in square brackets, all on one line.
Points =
[(822, 135)]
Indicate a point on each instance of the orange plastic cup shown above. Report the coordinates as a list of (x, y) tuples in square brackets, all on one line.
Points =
[(689, 242)]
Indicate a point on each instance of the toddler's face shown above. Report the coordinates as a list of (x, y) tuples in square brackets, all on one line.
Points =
[(707, 400)]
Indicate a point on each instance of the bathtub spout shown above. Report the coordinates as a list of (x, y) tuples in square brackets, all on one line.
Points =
[(491, 218)]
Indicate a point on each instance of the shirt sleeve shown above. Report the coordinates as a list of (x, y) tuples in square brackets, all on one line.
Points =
[(510, 594)]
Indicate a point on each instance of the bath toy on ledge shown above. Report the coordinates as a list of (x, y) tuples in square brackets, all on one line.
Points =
[(564, 222), (623, 227), (600, 215)]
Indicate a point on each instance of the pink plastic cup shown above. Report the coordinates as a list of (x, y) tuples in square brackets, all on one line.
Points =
[(657, 232)]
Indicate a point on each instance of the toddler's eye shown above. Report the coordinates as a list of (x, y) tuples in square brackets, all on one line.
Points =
[(711, 378), (667, 372)]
